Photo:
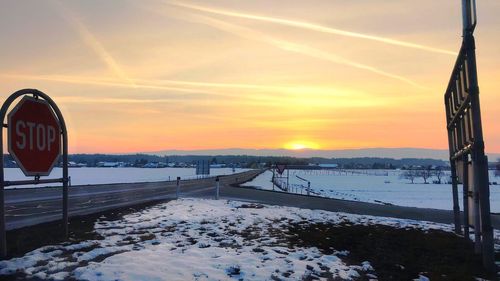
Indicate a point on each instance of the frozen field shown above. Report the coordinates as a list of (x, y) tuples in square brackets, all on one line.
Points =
[(193, 239), (82, 176), (376, 186)]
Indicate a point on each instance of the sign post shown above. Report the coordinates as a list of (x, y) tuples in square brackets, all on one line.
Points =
[(203, 167), (36, 131), (469, 164), (278, 170)]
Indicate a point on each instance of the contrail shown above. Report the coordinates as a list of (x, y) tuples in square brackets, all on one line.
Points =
[(180, 85), (287, 89), (101, 100), (294, 47), (313, 27), (104, 82), (253, 99), (93, 42), (143, 84), (119, 84)]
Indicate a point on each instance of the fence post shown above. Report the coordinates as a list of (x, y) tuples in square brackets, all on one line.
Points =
[(217, 187), (178, 187), (272, 180)]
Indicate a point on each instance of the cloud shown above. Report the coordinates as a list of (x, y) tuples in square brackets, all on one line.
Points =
[(294, 47), (92, 42), (197, 92), (313, 27)]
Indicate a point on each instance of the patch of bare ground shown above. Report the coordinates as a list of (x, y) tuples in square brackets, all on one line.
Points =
[(394, 253)]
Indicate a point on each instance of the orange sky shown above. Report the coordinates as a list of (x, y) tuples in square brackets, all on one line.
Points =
[(152, 75)]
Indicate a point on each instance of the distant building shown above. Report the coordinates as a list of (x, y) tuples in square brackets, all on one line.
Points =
[(314, 166), (111, 164), (155, 165), (328, 166), (72, 164)]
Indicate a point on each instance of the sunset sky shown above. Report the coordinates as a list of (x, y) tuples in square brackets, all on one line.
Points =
[(138, 76)]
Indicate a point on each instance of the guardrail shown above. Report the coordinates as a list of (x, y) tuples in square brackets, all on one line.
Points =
[(30, 206)]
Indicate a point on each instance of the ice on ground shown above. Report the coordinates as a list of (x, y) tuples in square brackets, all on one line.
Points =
[(196, 239), (374, 186)]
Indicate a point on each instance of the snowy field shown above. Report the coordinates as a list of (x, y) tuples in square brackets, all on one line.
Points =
[(82, 176), (375, 186), (195, 239)]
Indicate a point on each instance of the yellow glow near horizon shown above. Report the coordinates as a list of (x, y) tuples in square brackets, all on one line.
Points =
[(299, 145), (247, 74)]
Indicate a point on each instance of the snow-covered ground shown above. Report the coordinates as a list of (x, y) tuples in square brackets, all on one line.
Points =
[(82, 176), (195, 239), (376, 186)]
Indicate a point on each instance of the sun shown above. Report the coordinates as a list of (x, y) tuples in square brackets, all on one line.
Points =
[(299, 145)]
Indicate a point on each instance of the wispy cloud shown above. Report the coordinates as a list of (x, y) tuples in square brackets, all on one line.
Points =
[(201, 91), (197, 87), (90, 100), (92, 42), (251, 34), (98, 82), (179, 85), (312, 27)]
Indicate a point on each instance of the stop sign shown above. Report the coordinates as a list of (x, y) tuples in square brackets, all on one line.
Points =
[(34, 136)]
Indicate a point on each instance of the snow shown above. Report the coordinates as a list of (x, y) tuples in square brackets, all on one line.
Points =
[(197, 239), (375, 186), (422, 278), (84, 176)]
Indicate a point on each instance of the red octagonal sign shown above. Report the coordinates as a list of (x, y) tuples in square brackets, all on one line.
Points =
[(34, 136)]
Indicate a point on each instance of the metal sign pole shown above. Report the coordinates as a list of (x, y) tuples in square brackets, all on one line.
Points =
[(454, 178), (476, 214), (465, 183), (65, 219), (3, 237), (479, 159), (466, 142), (64, 134)]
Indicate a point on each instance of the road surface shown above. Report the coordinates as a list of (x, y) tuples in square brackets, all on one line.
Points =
[(25, 207), (30, 206), (338, 205)]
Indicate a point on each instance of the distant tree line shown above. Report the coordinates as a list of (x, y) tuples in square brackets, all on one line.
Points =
[(253, 161), (424, 173), (247, 161), (378, 162)]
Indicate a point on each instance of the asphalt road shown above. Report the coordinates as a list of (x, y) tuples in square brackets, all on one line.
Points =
[(25, 207), (337, 205), (30, 206)]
